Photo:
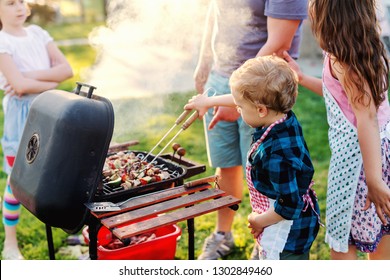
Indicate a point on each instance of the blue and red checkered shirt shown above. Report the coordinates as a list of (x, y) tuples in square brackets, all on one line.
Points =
[(282, 170)]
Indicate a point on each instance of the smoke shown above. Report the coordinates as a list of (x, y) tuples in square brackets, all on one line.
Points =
[(148, 48)]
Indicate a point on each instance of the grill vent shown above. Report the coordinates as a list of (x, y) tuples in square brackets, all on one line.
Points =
[(32, 148)]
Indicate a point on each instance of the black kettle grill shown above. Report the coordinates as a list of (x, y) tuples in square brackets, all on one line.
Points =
[(61, 155), (58, 167)]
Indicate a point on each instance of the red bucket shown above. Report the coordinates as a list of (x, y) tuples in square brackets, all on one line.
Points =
[(162, 247)]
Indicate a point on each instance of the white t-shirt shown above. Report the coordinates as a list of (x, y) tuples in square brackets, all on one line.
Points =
[(29, 52)]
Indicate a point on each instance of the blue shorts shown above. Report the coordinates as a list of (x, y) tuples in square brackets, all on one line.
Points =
[(15, 116), (228, 142)]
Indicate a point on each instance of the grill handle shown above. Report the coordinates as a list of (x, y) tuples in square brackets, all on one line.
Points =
[(90, 90)]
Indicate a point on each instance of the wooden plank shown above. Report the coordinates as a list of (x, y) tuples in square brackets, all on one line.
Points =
[(175, 216), (152, 198), (163, 207)]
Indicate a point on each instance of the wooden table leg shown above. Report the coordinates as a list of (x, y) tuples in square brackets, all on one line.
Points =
[(191, 239)]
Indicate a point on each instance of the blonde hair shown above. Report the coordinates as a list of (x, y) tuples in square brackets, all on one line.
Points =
[(267, 80)]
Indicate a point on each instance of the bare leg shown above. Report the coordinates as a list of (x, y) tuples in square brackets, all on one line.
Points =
[(10, 241), (350, 255), (11, 248), (231, 181), (383, 250)]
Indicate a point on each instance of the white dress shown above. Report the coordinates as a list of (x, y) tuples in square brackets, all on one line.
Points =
[(346, 223)]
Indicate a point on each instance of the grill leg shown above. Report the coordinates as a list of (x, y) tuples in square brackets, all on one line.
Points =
[(50, 245), (93, 228), (191, 239)]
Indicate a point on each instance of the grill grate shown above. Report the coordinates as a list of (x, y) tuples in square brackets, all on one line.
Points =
[(107, 192)]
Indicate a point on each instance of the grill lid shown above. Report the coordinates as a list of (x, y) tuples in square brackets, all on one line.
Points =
[(61, 154)]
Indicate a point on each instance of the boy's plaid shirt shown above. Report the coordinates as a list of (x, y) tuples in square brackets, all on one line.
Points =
[(282, 170)]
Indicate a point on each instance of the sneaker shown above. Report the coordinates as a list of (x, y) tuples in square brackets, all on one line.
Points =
[(255, 252), (75, 240), (12, 254), (216, 246)]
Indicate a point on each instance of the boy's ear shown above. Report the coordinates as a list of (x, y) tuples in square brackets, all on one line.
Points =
[(262, 110)]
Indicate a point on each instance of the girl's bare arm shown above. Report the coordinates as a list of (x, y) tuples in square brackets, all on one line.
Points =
[(18, 82), (370, 146), (59, 71), (311, 83)]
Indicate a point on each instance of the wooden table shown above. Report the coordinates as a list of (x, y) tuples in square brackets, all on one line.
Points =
[(177, 204)]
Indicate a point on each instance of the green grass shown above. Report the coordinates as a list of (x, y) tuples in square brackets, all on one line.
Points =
[(132, 124)]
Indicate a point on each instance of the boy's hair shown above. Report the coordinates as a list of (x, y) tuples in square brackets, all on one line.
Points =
[(267, 80)]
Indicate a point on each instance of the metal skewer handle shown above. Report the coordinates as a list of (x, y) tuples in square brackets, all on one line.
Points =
[(182, 116), (190, 120)]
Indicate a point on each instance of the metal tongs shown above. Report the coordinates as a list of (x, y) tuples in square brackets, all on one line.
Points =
[(108, 206)]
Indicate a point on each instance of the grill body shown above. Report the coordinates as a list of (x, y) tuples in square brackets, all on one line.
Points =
[(61, 155)]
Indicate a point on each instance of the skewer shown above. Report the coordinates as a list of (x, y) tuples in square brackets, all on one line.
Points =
[(177, 122), (185, 125)]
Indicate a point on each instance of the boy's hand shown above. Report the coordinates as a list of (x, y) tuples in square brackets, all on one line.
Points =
[(254, 223), (197, 102)]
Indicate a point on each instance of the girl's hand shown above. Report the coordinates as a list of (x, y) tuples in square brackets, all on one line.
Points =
[(293, 64), (8, 89), (379, 194), (254, 223)]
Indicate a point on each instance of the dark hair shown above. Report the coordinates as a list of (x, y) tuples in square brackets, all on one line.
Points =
[(349, 31)]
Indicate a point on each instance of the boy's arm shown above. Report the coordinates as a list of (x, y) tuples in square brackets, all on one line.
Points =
[(257, 222), (202, 103), (281, 168)]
